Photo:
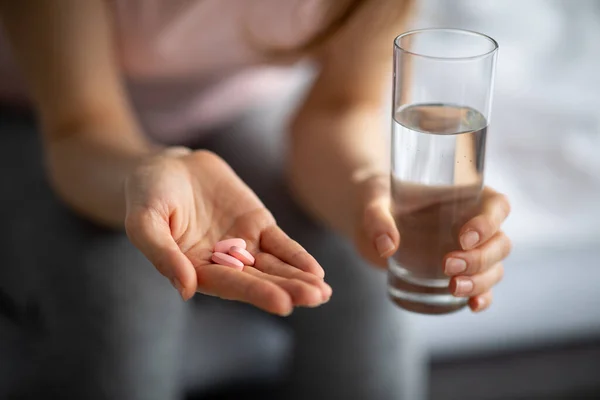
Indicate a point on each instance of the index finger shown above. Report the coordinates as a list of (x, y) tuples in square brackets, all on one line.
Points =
[(495, 208)]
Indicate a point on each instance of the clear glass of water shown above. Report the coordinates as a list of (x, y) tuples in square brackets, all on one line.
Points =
[(443, 83)]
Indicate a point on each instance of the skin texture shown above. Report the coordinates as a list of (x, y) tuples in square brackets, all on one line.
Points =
[(176, 204), (175, 215)]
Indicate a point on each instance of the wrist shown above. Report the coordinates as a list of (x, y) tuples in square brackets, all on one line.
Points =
[(88, 171), (333, 162), (327, 194), (160, 158)]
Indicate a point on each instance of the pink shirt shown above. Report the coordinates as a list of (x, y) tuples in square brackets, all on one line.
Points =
[(191, 64)]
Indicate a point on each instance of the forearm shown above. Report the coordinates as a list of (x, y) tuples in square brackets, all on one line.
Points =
[(333, 154), (66, 52), (88, 167), (339, 160)]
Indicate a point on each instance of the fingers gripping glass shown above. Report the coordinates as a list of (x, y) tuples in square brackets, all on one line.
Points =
[(442, 93)]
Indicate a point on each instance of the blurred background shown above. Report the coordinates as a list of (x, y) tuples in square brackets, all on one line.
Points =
[(541, 337)]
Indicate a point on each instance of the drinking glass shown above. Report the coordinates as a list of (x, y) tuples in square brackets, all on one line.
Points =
[(442, 96)]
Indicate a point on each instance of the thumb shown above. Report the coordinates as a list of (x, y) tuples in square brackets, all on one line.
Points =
[(378, 237), (151, 234), (380, 228)]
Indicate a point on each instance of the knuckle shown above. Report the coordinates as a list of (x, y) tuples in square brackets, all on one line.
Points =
[(303, 289), (311, 279), (377, 207), (370, 212), (478, 287), (297, 284), (488, 224), (482, 224), (481, 260)]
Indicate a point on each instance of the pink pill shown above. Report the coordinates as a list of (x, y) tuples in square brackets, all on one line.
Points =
[(227, 260), (242, 255), (224, 245)]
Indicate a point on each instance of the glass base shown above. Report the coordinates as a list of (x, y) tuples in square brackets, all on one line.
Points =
[(424, 296)]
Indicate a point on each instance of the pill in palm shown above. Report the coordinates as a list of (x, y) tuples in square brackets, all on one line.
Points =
[(242, 254), (224, 245), (227, 260)]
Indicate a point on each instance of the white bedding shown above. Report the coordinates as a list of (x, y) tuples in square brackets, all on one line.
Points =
[(544, 152), (544, 145)]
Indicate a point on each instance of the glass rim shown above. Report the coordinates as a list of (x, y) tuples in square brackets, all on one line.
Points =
[(491, 40)]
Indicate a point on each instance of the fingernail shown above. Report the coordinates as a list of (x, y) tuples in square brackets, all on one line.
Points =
[(480, 303), (177, 285), (469, 240), (463, 287), (455, 266), (326, 293), (384, 245)]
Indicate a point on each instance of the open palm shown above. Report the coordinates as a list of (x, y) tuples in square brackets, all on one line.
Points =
[(180, 204)]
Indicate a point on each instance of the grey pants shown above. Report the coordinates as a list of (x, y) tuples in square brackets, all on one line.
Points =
[(83, 315)]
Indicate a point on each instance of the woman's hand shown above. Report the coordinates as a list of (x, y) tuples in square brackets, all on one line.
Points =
[(474, 270), (180, 203)]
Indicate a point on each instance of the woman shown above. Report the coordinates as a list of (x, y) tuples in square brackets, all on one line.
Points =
[(115, 165)]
